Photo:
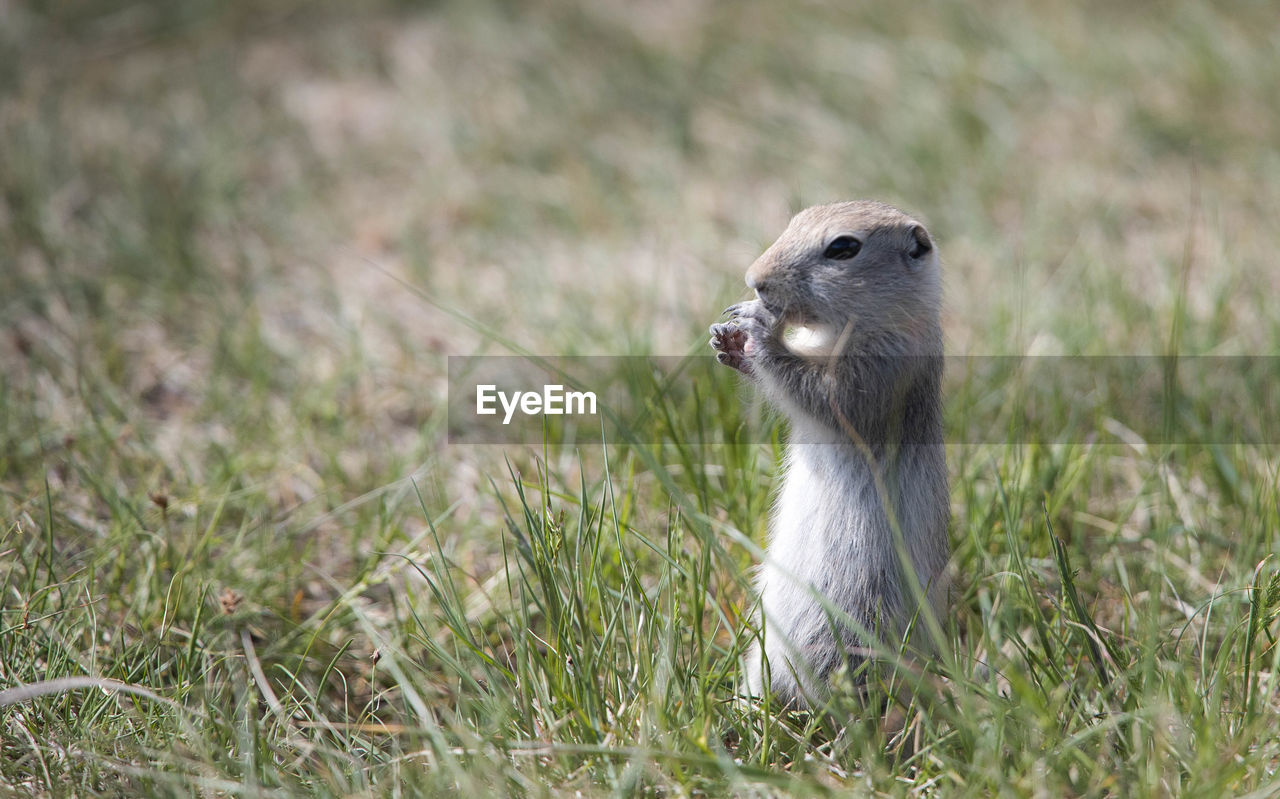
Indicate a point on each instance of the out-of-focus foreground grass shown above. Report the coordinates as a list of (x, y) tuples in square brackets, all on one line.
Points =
[(237, 241)]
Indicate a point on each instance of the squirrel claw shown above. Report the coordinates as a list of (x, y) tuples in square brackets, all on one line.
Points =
[(735, 361), (730, 342), (751, 311)]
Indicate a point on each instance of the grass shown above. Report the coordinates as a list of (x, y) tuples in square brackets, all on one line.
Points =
[(238, 555)]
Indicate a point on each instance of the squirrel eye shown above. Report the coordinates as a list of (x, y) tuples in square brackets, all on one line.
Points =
[(842, 248)]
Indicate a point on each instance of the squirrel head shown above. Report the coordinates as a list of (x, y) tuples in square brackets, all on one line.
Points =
[(861, 272)]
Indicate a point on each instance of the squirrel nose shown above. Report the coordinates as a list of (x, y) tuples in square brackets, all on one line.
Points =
[(765, 292)]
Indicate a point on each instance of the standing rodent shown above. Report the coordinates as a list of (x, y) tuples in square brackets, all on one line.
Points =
[(845, 340)]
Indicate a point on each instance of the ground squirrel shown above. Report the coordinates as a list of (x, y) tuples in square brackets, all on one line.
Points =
[(844, 338)]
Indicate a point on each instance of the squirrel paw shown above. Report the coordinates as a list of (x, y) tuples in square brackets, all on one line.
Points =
[(738, 339), (730, 343), (753, 311)]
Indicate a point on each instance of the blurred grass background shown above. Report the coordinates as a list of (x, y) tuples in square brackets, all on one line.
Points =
[(238, 240)]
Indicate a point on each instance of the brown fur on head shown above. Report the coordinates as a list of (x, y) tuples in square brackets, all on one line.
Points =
[(853, 270)]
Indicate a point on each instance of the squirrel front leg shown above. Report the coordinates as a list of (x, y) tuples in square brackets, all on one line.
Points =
[(749, 337), (751, 341)]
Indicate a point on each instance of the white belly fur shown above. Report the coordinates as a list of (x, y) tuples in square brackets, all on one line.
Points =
[(830, 536)]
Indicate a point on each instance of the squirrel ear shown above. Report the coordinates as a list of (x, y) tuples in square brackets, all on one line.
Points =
[(921, 243)]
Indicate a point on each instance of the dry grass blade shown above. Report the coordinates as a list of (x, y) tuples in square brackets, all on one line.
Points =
[(25, 693)]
